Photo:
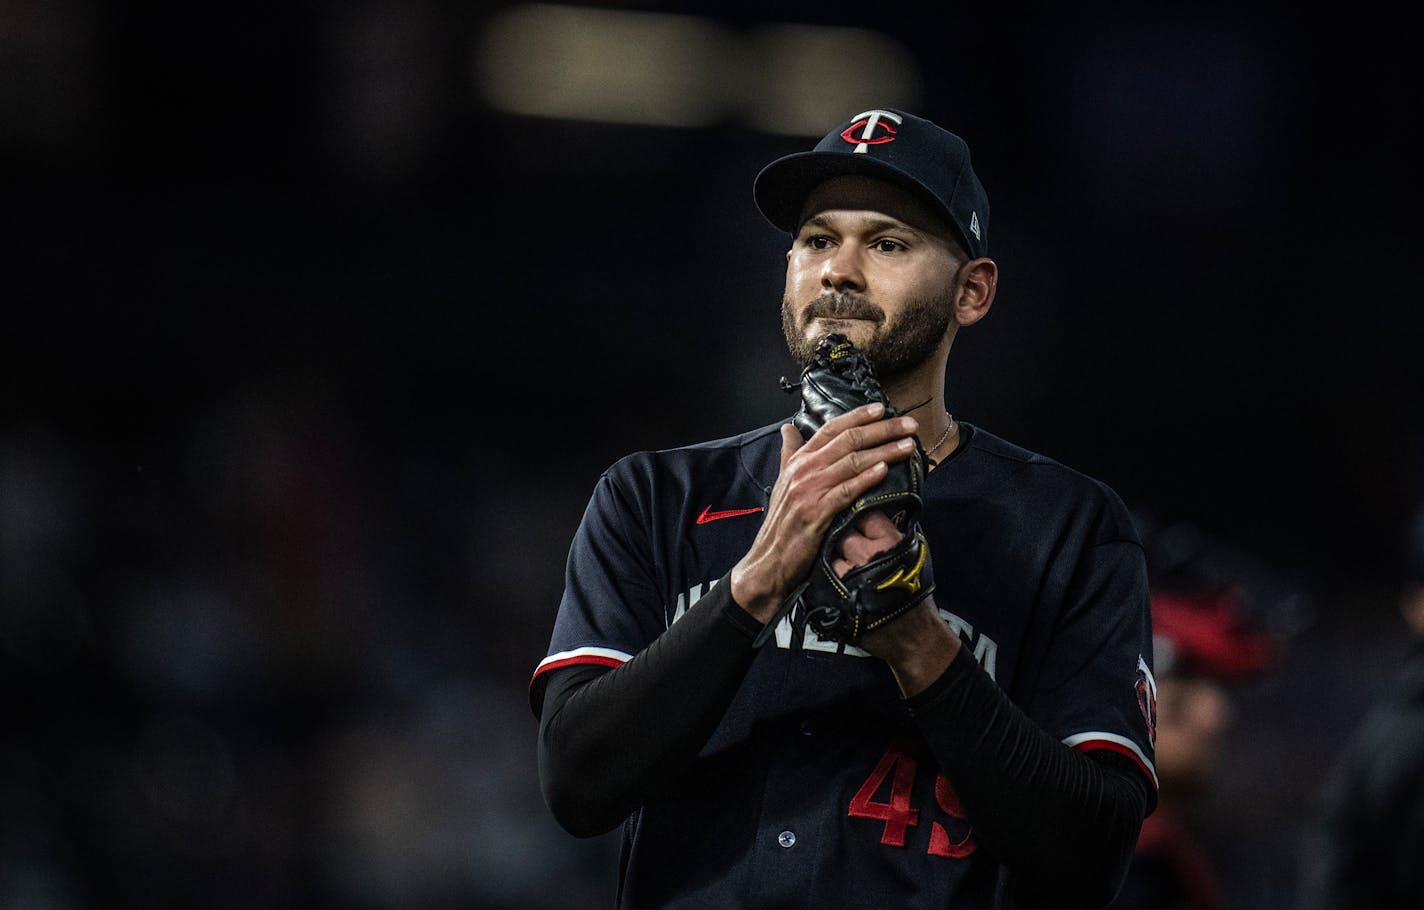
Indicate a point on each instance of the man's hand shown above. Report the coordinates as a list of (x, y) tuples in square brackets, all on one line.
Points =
[(919, 645), (872, 535), (818, 478)]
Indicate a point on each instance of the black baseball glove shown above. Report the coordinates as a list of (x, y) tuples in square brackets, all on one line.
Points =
[(846, 609)]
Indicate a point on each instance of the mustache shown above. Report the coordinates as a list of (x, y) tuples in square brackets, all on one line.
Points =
[(842, 305)]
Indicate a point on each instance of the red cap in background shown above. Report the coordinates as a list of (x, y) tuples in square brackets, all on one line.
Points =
[(1206, 634)]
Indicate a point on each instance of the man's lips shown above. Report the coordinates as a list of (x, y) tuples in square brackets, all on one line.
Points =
[(844, 316)]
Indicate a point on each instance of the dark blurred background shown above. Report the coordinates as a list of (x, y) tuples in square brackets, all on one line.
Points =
[(321, 320)]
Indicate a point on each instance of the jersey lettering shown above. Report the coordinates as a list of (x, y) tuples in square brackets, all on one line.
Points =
[(986, 650), (941, 843), (810, 641), (953, 839), (897, 814), (686, 599)]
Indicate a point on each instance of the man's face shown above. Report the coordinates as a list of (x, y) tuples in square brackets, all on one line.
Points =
[(875, 263)]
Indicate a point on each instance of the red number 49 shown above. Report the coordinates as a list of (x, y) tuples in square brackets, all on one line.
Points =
[(899, 764)]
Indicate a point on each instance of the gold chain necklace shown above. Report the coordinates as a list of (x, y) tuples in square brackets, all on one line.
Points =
[(947, 430)]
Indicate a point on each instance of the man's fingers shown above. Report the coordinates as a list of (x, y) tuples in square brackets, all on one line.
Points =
[(876, 526), (845, 492), (861, 416), (857, 461), (873, 435), (874, 534), (791, 441), (866, 425), (822, 476), (837, 475), (838, 440)]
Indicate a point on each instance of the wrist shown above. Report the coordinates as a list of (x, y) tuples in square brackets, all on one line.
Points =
[(753, 594), (918, 647)]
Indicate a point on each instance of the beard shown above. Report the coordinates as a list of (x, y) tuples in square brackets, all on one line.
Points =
[(894, 349)]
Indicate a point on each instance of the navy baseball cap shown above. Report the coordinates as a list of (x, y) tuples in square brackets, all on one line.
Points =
[(910, 151)]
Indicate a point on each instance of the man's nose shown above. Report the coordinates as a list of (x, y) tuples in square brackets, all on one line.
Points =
[(844, 269)]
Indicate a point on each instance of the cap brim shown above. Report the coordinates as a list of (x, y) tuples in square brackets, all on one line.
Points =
[(782, 187)]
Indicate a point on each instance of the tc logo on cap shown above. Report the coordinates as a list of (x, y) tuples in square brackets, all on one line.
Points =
[(871, 129)]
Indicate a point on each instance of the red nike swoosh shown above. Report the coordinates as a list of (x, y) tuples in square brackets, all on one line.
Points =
[(709, 515)]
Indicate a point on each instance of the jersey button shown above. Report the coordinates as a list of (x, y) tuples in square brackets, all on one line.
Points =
[(786, 838), (808, 727)]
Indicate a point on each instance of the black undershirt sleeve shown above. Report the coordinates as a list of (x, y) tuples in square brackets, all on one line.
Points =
[(1064, 822), (609, 740)]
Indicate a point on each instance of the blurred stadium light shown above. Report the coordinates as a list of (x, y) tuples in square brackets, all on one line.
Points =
[(660, 69)]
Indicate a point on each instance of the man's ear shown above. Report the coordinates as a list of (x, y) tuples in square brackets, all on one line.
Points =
[(975, 286)]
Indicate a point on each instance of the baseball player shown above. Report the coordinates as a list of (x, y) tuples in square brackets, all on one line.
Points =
[(789, 696)]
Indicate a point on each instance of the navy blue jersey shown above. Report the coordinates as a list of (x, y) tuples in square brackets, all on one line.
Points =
[(816, 788)]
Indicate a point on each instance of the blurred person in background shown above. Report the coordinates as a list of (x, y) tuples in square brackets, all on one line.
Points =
[(1366, 849), (1203, 644)]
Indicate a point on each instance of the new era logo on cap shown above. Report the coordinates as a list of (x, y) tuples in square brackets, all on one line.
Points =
[(892, 145)]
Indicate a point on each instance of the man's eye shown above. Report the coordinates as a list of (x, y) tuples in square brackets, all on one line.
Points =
[(818, 242), (889, 246)]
